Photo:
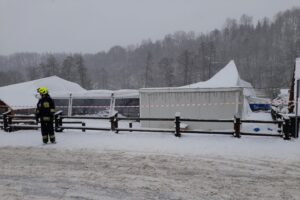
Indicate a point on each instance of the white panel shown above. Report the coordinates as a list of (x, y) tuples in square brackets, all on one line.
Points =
[(201, 104)]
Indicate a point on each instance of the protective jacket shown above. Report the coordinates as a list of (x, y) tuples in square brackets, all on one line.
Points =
[(45, 108)]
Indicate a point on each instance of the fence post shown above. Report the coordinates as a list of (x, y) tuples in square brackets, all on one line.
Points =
[(177, 124), (112, 124), (287, 127), (5, 125), (113, 121), (9, 123), (279, 130), (237, 127), (83, 124), (116, 122), (58, 121)]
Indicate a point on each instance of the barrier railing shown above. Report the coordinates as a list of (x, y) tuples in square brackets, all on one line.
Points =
[(59, 124), (12, 122), (236, 132)]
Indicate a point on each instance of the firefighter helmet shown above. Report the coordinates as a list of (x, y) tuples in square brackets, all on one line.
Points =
[(42, 90)]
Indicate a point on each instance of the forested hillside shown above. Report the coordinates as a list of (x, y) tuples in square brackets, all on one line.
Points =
[(264, 52)]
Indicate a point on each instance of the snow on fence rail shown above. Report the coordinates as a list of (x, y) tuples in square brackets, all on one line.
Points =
[(14, 122), (158, 105)]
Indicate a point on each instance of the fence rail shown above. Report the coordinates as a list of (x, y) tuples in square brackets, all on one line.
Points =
[(14, 122), (262, 121)]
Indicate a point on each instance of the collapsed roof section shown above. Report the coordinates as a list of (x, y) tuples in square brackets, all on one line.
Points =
[(22, 95), (226, 77), (96, 94)]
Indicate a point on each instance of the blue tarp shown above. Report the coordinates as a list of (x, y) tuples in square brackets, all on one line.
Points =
[(256, 107)]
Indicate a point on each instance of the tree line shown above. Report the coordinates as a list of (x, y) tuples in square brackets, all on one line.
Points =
[(264, 52)]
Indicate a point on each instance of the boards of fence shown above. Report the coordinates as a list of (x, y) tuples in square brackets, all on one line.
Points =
[(16, 122)]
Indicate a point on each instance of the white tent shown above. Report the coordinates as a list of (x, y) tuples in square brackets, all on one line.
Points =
[(228, 77), (98, 101), (225, 78), (22, 95), (221, 97)]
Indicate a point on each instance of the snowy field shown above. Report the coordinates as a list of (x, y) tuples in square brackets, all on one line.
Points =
[(109, 166)]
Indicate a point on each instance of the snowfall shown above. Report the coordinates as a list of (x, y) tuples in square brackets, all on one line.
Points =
[(103, 165), (135, 165)]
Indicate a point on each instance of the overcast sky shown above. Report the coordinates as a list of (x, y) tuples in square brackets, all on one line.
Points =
[(90, 26)]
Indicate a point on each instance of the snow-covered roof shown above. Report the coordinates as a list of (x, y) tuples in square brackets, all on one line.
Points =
[(22, 95), (226, 77)]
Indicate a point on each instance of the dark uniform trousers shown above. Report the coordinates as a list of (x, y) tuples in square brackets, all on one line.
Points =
[(47, 129)]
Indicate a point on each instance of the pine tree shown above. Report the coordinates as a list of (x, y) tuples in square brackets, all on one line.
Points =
[(82, 71)]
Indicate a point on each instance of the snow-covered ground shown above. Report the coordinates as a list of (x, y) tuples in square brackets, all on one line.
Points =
[(134, 165)]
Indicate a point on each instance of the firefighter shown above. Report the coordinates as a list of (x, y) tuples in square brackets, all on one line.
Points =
[(45, 112)]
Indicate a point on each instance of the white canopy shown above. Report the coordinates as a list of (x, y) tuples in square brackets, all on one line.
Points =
[(225, 78), (22, 95)]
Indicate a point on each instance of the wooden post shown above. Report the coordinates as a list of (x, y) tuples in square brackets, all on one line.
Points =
[(177, 125), (237, 127), (116, 122), (55, 122), (279, 130), (6, 121), (112, 123), (58, 121), (5, 125), (9, 122), (287, 129), (130, 125), (83, 124)]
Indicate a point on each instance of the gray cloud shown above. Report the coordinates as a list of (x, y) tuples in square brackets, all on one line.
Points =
[(89, 26)]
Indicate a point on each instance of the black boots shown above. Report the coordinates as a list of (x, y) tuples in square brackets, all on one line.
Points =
[(45, 139), (52, 139)]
